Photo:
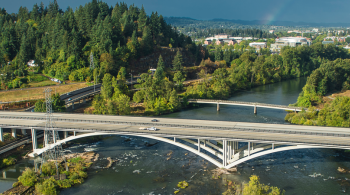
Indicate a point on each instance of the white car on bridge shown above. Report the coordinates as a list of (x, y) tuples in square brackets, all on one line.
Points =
[(152, 129)]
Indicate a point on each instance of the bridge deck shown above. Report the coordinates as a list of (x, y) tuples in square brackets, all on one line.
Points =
[(240, 103), (185, 128)]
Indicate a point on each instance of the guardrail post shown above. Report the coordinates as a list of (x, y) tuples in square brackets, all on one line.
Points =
[(34, 139), (255, 110), (218, 107), (24, 132), (14, 133), (1, 134)]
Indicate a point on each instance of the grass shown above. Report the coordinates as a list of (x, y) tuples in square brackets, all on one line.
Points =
[(42, 83), (37, 93)]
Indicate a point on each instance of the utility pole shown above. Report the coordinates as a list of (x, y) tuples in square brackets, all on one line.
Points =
[(92, 67)]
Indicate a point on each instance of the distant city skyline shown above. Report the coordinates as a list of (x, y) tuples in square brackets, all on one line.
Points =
[(320, 11)]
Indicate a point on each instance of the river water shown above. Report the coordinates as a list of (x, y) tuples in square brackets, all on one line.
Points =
[(158, 168)]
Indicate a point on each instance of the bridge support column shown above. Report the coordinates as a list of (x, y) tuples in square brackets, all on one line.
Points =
[(273, 146), (218, 107), (199, 145), (252, 145), (14, 133), (295, 110), (229, 150), (24, 132), (248, 148), (233, 148), (4, 174), (255, 110), (65, 133), (224, 153), (204, 141), (75, 134), (1, 134), (174, 139), (34, 140)]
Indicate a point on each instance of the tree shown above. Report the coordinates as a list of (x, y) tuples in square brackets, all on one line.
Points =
[(159, 74), (107, 88), (174, 103), (254, 187), (179, 78), (142, 20), (122, 105), (28, 177), (48, 187), (178, 62)]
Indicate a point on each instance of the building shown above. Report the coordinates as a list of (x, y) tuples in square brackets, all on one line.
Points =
[(289, 41), (219, 42), (271, 31), (31, 63), (315, 30), (221, 36), (207, 42), (258, 45), (327, 42)]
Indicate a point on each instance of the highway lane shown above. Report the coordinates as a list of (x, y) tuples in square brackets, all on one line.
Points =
[(255, 132)]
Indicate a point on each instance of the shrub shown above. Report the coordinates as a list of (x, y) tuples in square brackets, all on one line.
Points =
[(28, 177), (48, 187), (49, 168), (64, 183)]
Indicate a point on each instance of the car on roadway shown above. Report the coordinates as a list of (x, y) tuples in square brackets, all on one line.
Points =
[(152, 129), (68, 93), (69, 99), (155, 120), (143, 128)]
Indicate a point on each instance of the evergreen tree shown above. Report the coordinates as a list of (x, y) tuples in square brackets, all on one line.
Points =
[(178, 62)]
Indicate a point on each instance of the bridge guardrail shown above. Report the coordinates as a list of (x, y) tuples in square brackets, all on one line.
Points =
[(81, 97), (240, 102)]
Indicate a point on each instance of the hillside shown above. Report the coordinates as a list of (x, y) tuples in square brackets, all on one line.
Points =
[(61, 42)]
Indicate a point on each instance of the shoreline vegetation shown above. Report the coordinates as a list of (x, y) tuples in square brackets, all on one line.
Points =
[(48, 182), (325, 110)]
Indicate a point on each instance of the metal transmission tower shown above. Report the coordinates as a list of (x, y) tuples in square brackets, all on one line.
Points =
[(92, 66), (50, 136)]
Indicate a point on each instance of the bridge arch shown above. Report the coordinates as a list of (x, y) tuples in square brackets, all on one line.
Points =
[(271, 151), (206, 157)]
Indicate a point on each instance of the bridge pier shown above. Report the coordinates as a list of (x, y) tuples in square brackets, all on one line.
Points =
[(24, 132), (4, 174), (273, 146), (224, 153), (14, 133), (248, 148), (255, 110), (174, 139), (1, 134), (34, 139), (199, 145), (65, 133), (75, 134), (218, 107)]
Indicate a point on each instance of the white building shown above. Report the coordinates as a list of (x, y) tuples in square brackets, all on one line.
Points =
[(258, 45), (289, 41), (31, 63)]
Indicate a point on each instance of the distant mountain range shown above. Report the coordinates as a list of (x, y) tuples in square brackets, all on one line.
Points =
[(184, 21)]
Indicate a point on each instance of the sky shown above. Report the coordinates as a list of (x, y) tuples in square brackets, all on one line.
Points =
[(319, 11)]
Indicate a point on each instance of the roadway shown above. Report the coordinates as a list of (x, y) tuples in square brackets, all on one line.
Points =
[(185, 128)]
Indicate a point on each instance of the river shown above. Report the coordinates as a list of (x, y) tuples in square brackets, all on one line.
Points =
[(147, 170)]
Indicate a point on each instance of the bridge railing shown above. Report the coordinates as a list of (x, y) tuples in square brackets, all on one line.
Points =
[(84, 96), (240, 102)]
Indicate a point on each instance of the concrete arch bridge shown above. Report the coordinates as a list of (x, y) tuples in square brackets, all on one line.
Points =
[(225, 144)]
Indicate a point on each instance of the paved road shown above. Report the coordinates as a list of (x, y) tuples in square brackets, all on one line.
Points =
[(185, 128)]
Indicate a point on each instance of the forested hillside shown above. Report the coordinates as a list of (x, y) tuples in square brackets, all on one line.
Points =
[(61, 42), (331, 76)]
